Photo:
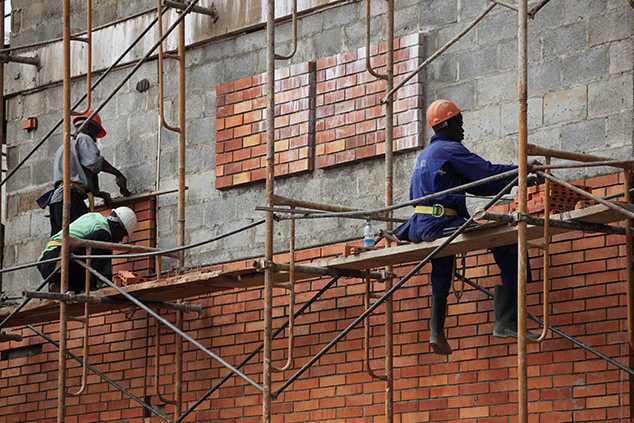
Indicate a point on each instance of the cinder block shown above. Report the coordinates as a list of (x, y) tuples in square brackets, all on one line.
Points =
[(613, 25), (565, 40), (565, 106), (510, 118), (477, 63), (544, 76), (611, 96), (585, 67), (584, 136)]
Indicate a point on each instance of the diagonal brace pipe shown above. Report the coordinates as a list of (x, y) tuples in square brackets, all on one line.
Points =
[(389, 293), (167, 323)]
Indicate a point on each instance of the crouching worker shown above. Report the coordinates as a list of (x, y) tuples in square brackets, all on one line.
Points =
[(442, 165), (91, 226)]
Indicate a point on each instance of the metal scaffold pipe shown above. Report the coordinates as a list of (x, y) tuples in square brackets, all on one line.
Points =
[(65, 250), (270, 191), (522, 254)]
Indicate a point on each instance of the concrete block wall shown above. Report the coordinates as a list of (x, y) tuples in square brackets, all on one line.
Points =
[(477, 383), (571, 105)]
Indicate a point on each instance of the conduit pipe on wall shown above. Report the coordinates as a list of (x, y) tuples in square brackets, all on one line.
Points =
[(294, 30), (88, 40), (627, 175), (438, 52)]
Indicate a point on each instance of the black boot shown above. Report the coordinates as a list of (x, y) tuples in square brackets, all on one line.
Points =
[(505, 311), (437, 338)]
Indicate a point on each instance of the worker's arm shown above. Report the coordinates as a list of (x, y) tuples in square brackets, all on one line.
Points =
[(120, 180)]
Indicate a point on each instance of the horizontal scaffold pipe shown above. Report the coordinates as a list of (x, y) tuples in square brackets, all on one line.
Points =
[(297, 214), (535, 150), (26, 300), (80, 242), (177, 249), (80, 298), (97, 82), (415, 201), (261, 264), (514, 218)]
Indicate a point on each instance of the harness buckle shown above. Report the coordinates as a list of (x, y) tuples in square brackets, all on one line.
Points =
[(438, 210)]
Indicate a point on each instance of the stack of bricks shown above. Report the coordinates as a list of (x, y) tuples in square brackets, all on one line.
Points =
[(144, 235), (562, 199), (329, 113), (241, 126)]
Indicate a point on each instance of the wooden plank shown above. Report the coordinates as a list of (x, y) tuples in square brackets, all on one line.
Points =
[(477, 239)]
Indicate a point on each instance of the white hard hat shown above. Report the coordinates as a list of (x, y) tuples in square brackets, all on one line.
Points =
[(127, 218)]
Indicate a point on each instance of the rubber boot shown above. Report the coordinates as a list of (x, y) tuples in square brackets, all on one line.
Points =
[(505, 311), (437, 338)]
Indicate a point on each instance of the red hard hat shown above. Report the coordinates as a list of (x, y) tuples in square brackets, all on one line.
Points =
[(95, 119), (440, 111)]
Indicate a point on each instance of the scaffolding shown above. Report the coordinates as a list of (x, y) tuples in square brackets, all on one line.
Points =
[(151, 296)]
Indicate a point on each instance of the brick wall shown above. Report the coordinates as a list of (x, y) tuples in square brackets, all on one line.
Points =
[(328, 112), (144, 235), (475, 384)]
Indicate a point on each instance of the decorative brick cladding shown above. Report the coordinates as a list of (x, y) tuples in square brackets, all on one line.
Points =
[(350, 117), (477, 383), (241, 126), (330, 112)]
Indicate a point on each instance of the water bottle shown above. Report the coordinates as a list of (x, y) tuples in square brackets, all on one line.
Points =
[(368, 235)]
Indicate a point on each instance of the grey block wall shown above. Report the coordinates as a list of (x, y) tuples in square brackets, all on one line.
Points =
[(580, 88)]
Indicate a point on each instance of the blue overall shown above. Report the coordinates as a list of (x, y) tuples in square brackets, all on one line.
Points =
[(443, 165)]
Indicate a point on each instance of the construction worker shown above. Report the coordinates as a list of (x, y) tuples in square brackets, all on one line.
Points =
[(92, 226), (442, 165), (85, 164)]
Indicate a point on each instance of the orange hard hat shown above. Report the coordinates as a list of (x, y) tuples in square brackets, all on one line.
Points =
[(95, 119), (440, 111)]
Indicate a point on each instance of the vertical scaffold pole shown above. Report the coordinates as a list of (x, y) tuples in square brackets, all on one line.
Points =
[(61, 377), (181, 206), (270, 174), (522, 69), (389, 177)]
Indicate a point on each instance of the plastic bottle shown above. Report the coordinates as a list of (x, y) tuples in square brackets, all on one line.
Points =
[(368, 235)]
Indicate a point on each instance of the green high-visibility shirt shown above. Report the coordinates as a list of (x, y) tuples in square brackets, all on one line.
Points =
[(92, 225)]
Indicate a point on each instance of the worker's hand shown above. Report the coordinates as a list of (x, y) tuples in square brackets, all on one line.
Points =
[(107, 200), (122, 182), (532, 163)]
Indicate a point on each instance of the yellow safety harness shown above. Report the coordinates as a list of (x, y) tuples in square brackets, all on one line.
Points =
[(437, 210), (91, 198)]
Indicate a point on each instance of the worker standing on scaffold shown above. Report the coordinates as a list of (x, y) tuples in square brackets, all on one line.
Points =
[(85, 164), (442, 165)]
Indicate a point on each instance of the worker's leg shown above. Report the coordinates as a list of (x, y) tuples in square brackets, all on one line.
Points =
[(505, 296), (46, 269), (441, 276), (78, 208), (77, 278)]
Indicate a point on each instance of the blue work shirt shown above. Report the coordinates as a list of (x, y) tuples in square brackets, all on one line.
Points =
[(443, 165)]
